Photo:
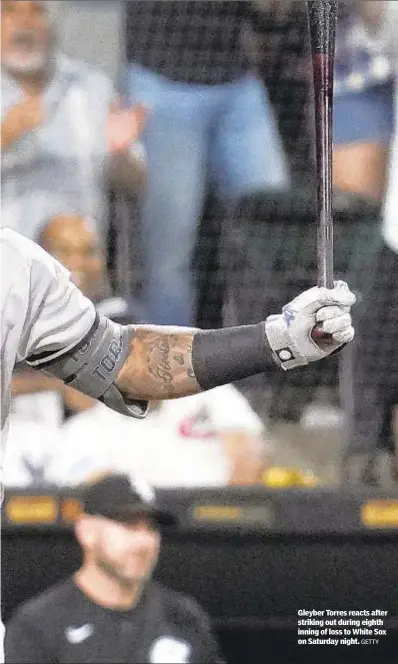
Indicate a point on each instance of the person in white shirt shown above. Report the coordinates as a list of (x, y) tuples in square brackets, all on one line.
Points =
[(211, 439), (63, 129)]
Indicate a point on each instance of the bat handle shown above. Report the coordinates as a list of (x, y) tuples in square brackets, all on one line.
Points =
[(325, 280), (320, 337), (325, 262)]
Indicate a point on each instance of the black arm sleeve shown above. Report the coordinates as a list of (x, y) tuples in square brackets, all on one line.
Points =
[(230, 354), (25, 643)]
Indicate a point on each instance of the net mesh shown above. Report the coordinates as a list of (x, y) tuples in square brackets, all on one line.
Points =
[(200, 42), (278, 241)]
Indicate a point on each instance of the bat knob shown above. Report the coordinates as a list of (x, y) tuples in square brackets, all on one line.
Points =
[(321, 338)]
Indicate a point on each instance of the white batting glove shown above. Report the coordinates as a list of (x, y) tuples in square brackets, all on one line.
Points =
[(289, 333)]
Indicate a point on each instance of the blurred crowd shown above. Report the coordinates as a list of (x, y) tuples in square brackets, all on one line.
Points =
[(190, 111)]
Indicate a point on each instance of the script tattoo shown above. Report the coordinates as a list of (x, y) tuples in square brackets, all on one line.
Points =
[(159, 365)]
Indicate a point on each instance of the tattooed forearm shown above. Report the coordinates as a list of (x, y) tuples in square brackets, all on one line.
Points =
[(159, 365)]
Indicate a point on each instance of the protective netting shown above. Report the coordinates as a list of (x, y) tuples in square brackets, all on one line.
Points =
[(273, 254), (215, 42), (201, 42)]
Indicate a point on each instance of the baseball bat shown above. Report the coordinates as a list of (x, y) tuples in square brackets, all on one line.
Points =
[(322, 18)]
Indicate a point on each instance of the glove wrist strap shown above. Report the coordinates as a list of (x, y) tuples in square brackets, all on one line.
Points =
[(284, 350)]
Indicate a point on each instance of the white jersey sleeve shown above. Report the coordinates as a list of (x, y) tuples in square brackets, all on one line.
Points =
[(56, 315), (229, 410)]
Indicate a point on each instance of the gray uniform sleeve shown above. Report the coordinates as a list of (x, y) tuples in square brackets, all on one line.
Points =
[(58, 314)]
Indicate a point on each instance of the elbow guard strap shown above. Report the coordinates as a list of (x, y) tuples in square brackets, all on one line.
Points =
[(94, 364)]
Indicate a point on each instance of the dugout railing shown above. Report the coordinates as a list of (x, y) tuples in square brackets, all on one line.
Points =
[(252, 557)]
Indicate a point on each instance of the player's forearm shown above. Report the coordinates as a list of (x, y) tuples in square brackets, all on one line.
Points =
[(167, 363), (159, 365), (124, 366)]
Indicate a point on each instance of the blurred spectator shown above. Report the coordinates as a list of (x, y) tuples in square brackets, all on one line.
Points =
[(210, 120), (373, 413), (96, 42), (63, 129), (73, 241), (363, 105), (110, 610), (210, 439)]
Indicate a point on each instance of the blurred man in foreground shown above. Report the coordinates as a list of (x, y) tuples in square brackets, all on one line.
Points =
[(111, 610)]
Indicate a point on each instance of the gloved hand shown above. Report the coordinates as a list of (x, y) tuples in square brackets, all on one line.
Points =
[(289, 333)]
